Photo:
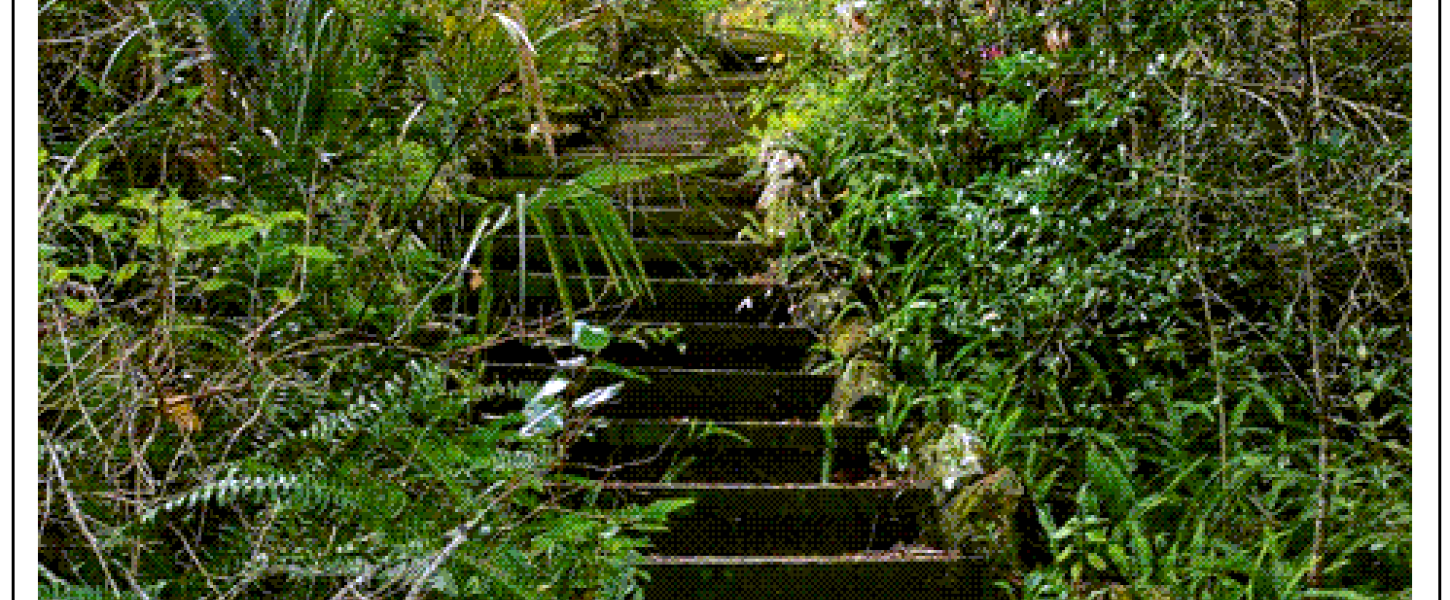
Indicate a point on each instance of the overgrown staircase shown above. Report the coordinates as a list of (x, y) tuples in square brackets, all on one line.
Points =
[(785, 506)]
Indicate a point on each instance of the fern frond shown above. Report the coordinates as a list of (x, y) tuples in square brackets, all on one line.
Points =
[(329, 426), (304, 490)]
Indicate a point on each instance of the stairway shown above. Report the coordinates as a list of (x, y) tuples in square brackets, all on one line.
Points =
[(763, 524)]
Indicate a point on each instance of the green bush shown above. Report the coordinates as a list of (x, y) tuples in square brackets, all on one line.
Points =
[(255, 317), (1137, 269)]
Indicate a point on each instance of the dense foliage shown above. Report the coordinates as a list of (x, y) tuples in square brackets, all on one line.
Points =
[(257, 318), (1157, 254)]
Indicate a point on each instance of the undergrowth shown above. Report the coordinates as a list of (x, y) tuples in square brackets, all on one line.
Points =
[(1157, 254)]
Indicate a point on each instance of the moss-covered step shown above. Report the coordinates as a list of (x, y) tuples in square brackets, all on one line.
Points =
[(672, 299), (779, 520), (700, 223), (872, 498), (666, 191), (677, 103), (796, 534), (662, 256), (670, 128), (570, 164), (862, 576), (725, 82), (764, 435), (662, 290), (702, 451), (698, 393), (714, 345)]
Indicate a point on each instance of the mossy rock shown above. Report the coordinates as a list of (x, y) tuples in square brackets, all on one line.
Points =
[(861, 378), (848, 336)]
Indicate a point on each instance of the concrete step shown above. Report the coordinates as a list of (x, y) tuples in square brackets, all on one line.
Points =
[(772, 435), (722, 345), (672, 192), (858, 576), (676, 392), (571, 164), (732, 500), (673, 300), (690, 102), (790, 519), (662, 257), (724, 82)]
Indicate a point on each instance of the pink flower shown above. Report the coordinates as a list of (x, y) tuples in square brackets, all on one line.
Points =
[(992, 52)]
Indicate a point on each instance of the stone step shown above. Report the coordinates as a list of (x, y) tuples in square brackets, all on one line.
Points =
[(746, 40), (761, 435), (710, 223), (676, 392), (789, 519), (725, 82), (571, 164), (665, 290), (721, 345), (683, 191), (755, 533), (682, 462), (662, 257), (699, 451), (859, 576), (761, 358), (676, 300), (689, 102), (681, 135), (735, 335), (734, 500)]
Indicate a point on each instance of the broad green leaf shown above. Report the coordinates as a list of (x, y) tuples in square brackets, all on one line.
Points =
[(217, 283), (100, 223), (127, 271), (79, 307), (317, 253), (1110, 481), (91, 272), (590, 338)]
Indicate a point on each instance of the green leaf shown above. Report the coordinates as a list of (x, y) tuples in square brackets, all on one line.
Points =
[(464, 341), (599, 396), (79, 307), (90, 171), (590, 338), (241, 219), (660, 509), (217, 283), (1120, 557), (127, 271), (608, 367), (91, 272), (124, 55), (286, 295), (278, 218), (317, 253), (100, 223), (1109, 480)]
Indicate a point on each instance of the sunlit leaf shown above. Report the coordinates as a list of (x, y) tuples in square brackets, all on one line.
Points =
[(598, 396), (590, 338)]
